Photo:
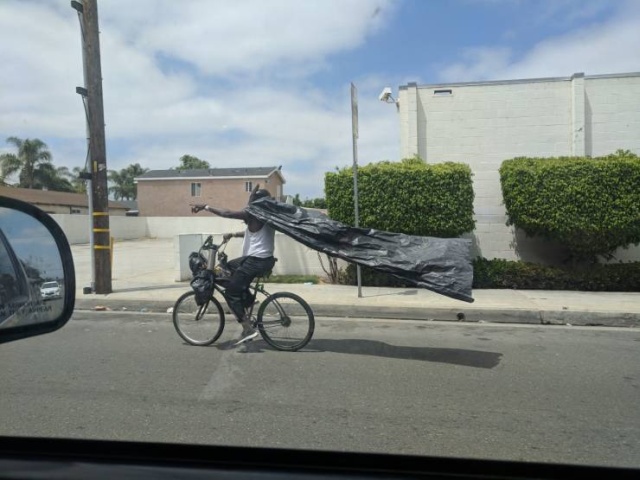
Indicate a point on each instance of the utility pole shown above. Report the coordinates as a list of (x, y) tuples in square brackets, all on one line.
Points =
[(88, 13)]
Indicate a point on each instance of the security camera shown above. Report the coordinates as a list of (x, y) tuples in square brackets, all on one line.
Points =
[(385, 96)]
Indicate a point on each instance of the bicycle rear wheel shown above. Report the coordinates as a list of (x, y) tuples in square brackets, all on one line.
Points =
[(286, 321), (198, 325)]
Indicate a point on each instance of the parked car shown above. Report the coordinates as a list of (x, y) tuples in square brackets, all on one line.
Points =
[(50, 290)]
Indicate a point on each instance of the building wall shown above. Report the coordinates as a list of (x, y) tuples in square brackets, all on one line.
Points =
[(612, 111), (483, 124), (173, 197)]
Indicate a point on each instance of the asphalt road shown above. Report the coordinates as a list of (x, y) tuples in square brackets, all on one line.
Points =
[(531, 393)]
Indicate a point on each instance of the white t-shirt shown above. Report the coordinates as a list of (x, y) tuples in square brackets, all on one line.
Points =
[(259, 244)]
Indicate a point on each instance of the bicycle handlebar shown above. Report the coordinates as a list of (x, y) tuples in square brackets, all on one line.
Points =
[(209, 245)]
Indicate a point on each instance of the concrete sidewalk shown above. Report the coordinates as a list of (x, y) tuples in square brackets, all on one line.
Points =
[(144, 271)]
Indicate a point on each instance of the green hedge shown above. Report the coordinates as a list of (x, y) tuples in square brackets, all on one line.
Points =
[(592, 206), (409, 197), (614, 277), (497, 274)]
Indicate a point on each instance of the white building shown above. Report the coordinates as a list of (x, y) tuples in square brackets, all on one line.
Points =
[(484, 123)]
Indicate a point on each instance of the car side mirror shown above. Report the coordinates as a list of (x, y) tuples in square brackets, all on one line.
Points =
[(37, 277)]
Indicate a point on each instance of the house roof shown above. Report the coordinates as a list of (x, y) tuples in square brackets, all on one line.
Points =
[(211, 173), (49, 197)]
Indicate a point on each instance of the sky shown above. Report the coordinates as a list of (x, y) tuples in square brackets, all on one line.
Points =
[(249, 83)]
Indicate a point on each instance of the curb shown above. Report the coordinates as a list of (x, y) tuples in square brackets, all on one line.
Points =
[(472, 315)]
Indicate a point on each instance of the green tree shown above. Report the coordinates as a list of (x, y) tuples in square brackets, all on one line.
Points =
[(122, 182), (32, 156), (189, 162), (320, 203), (49, 177), (309, 203), (79, 184)]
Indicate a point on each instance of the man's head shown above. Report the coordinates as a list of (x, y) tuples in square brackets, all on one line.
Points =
[(259, 193)]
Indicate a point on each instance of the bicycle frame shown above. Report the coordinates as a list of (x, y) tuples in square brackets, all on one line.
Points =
[(216, 252)]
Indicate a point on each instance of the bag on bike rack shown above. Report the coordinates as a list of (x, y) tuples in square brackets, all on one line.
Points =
[(202, 284), (197, 262)]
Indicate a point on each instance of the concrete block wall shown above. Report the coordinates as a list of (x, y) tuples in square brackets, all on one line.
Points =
[(77, 227), (188, 233), (482, 124), (612, 111)]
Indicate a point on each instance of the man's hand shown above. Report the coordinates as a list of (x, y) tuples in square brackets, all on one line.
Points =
[(227, 236), (197, 208)]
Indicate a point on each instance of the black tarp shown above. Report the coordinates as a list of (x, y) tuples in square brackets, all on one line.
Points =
[(442, 265)]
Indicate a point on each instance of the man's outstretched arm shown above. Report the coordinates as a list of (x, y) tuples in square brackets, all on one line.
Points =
[(222, 212)]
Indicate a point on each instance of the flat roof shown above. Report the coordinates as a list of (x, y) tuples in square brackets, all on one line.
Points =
[(523, 80)]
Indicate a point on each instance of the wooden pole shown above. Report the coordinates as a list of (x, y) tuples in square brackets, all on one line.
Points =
[(97, 148)]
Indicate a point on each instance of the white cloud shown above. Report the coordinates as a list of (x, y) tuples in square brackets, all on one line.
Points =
[(39, 52), (598, 48), (224, 80), (223, 38)]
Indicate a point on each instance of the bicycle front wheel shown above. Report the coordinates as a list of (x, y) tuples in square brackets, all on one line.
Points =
[(286, 321), (198, 324)]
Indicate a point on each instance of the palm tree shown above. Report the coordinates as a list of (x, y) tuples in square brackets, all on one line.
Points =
[(48, 177), (119, 184), (79, 184), (123, 185), (32, 155)]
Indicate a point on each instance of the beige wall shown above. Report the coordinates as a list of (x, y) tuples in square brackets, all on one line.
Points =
[(173, 197)]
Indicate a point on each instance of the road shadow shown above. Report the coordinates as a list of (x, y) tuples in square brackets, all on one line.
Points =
[(374, 348), (453, 356)]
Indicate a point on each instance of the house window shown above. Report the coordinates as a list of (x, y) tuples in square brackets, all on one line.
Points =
[(195, 189), (443, 93), (248, 186)]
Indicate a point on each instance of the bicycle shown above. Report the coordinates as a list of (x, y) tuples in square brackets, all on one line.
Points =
[(285, 320)]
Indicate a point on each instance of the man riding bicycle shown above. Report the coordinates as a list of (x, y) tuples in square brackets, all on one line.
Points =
[(257, 259)]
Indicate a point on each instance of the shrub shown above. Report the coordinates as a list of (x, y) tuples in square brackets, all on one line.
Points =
[(409, 197), (616, 277), (498, 274), (370, 278), (292, 279), (592, 206)]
